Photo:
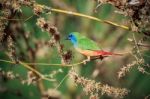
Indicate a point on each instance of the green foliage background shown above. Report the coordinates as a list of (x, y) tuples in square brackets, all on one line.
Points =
[(107, 36)]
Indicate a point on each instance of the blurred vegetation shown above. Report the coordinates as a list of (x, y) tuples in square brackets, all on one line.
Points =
[(36, 48)]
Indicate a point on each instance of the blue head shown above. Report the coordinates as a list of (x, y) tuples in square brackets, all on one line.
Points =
[(72, 37)]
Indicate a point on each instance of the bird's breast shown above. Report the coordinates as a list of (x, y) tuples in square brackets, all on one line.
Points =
[(87, 52)]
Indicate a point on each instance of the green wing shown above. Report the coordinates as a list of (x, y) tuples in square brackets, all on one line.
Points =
[(87, 44)]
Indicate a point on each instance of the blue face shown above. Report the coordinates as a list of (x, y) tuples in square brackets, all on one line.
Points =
[(73, 39)]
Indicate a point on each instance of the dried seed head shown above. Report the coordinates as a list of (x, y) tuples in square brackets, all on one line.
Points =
[(67, 56), (90, 86), (31, 78), (52, 30), (51, 94), (125, 69), (57, 37), (37, 9)]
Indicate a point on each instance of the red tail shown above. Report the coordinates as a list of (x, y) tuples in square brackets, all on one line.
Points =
[(105, 53)]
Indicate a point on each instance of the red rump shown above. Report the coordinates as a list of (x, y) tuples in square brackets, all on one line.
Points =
[(105, 53)]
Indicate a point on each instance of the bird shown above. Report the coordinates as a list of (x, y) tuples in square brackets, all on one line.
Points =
[(87, 47)]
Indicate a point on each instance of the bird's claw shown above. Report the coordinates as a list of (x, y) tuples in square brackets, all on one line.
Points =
[(84, 62), (101, 57)]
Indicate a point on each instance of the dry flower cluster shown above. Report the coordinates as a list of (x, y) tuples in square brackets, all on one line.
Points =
[(139, 62), (8, 75), (125, 69), (51, 94), (93, 88), (31, 78), (137, 10), (55, 40)]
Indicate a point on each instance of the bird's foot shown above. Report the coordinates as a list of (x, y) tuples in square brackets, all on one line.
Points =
[(101, 57), (84, 62), (87, 60)]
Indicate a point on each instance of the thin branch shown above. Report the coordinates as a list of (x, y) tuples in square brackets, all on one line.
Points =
[(6, 61), (11, 19), (75, 14), (63, 65), (136, 44), (26, 19), (35, 71), (48, 9), (45, 64), (61, 81), (143, 45), (30, 68), (89, 17), (139, 64)]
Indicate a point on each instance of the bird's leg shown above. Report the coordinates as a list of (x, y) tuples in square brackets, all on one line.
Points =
[(101, 57), (87, 60)]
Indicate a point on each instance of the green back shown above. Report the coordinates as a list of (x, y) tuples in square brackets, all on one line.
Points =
[(85, 43)]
